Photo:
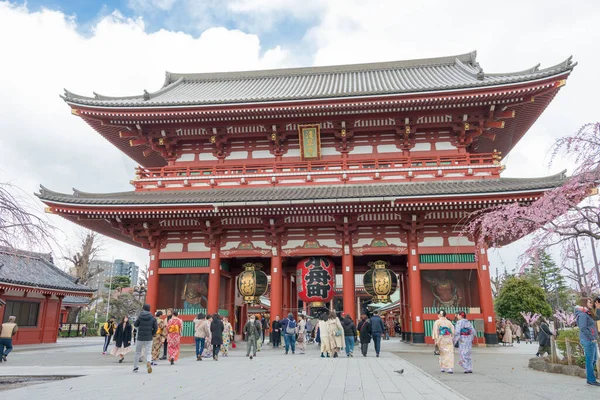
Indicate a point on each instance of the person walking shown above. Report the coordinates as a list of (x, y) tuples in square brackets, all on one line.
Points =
[(123, 335), (174, 329), (301, 339), (276, 333), (107, 330), (83, 331), (463, 336), (216, 334), (335, 334), (443, 333), (159, 337), (544, 336), (588, 338), (227, 336), (377, 329), (9, 329), (288, 326), (146, 326), (252, 334), (201, 332), (208, 348), (349, 333), (526, 333), (364, 328), (517, 332), (165, 345), (507, 333)]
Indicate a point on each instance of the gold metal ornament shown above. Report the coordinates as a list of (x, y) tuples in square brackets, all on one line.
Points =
[(252, 283), (380, 282)]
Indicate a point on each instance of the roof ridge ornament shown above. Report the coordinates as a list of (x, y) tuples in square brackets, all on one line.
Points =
[(146, 95)]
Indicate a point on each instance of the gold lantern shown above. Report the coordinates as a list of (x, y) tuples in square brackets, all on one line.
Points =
[(252, 283), (380, 282)]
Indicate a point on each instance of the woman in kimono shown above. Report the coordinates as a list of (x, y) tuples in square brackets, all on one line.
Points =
[(159, 337), (174, 327), (208, 349), (464, 335), (443, 333), (335, 334), (508, 337), (227, 334)]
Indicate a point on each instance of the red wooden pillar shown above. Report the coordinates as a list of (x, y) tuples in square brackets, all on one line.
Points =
[(58, 318), (404, 308), (231, 299), (485, 296), (286, 296), (293, 296), (276, 286), (44, 314), (152, 293), (214, 279), (349, 289), (414, 281)]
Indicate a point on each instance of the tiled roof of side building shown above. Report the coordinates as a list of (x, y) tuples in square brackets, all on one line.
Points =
[(76, 300), (307, 193), (25, 268), (312, 83)]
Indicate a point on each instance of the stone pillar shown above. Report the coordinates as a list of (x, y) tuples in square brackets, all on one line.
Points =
[(152, 294), (214, 278), (414, 281), (276, 286), (485, 297), (349, 289)]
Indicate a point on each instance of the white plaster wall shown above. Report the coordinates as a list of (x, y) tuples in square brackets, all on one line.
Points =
[(444, 146), (186, 157), (329, 151), (206, 157), (292, 153), (432, 241), (329, 243), (460, 241), (396, 241), (262, 154), (292, 244), (172, 248), (362, 150), (197, 246), (238, 155), (387, 148), (421, 147)]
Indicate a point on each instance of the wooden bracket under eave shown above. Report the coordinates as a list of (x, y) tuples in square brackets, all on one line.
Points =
[(48, 210), (561, 83), (75, 111)]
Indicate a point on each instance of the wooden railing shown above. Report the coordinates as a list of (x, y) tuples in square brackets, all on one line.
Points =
[(404, 167)]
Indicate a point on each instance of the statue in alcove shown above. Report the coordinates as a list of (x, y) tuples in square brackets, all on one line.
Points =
[(444, 289), (195, 291)]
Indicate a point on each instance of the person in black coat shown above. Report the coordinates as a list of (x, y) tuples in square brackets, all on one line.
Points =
[(364, 327), (276, 333), (216, 334), (349, 334), (122, 339)]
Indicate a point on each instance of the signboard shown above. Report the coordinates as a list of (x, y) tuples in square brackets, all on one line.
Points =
[(310, 141)]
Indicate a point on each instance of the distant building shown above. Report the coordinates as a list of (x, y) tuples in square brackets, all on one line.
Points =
[(124, 268), (119, 268)]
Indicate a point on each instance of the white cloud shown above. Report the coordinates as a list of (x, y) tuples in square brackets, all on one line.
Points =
[(151, 5), (43, 143)]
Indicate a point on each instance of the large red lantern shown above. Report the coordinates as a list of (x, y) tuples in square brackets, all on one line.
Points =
[(315, 277)]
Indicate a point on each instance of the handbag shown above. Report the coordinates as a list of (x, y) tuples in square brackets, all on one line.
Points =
[(233, 345), (338, 333), (436, 350)]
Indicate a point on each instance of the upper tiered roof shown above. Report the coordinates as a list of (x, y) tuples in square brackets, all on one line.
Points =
[(314, 83)]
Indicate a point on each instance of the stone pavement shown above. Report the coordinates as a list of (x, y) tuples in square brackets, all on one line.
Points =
[(271, 375)]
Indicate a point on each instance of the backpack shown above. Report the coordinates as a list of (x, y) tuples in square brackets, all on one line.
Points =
[(102, 330), (291, 327)]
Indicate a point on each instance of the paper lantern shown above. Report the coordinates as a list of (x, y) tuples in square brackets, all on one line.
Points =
[(380, 282), (315, 277), (252, 283)]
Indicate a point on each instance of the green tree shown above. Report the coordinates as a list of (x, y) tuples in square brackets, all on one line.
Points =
[(118, 283), (544, 272), (124, 304), (519, 294)]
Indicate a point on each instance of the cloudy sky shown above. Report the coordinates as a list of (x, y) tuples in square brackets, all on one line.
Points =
[(120, 47)]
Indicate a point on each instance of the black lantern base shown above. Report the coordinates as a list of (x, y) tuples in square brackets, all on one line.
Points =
[(491, 339), (418, 338)]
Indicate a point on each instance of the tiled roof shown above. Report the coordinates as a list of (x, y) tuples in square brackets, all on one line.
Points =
[(25, 268), (384, 78), (280, 194), (76, 300)]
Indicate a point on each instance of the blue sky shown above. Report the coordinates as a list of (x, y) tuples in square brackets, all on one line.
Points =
[(286, 28)]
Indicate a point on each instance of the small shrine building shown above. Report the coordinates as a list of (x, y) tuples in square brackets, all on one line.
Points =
[(357, 163), (34, 290)]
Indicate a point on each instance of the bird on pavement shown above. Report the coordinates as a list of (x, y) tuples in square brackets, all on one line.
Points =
[(399, 371)]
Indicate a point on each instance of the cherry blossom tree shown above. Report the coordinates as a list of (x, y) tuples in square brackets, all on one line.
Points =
[(530, 318), (560, 215), (567, 319)]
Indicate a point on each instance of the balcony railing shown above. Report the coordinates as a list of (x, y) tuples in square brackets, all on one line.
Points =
[(342, 170)]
